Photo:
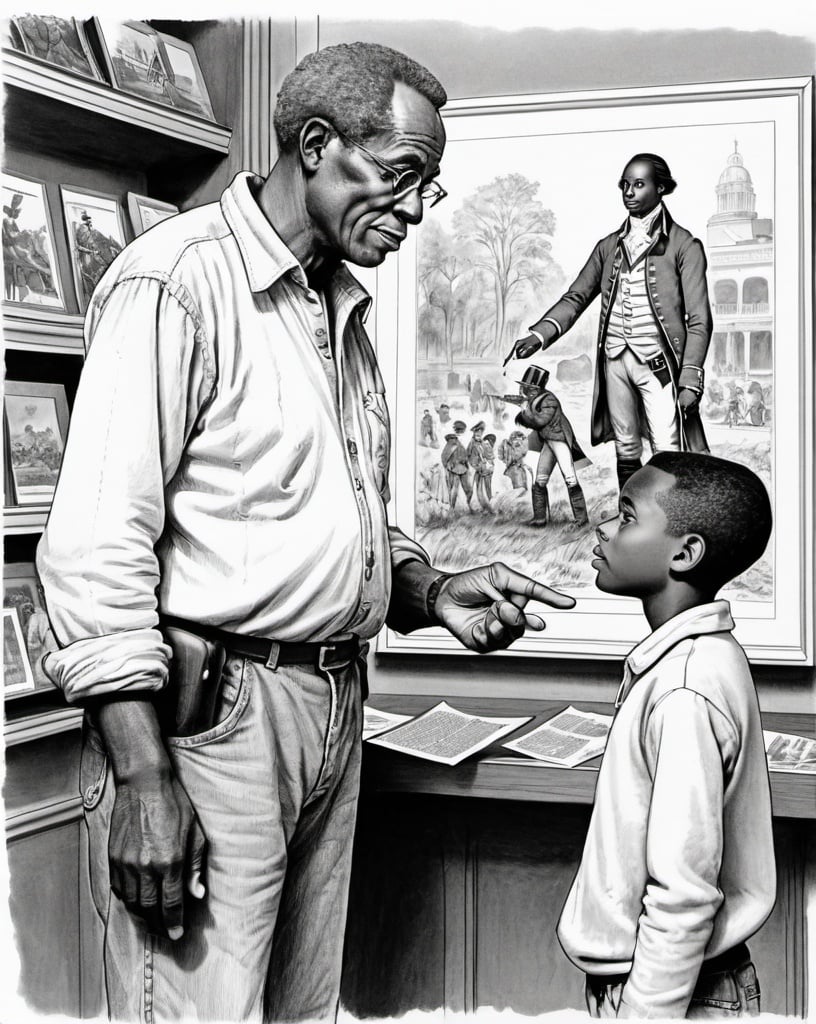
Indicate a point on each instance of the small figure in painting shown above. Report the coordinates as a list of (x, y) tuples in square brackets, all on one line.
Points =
[(552, 435), (655, 323), (512, 451), (443, 412), (26, 267), (95, 252), (455, 463), (427, 431), (678, 865), (480, 459)]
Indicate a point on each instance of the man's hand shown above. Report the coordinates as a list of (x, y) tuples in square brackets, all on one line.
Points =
[(688, 400), (484, 607), (156, 846), (525, 347)]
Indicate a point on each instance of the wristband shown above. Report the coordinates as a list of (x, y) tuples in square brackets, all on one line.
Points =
[(433, 593)]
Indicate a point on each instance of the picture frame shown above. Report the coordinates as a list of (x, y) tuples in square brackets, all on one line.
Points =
[(23, 593), (36, 424), (96, 235), (131, 51), (145, 212), (58, 41), (567, 152), (17, 675), (30, 266), (186, 87)]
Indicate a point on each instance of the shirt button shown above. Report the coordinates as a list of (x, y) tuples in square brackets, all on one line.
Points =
[(358, 484), (319, 333)]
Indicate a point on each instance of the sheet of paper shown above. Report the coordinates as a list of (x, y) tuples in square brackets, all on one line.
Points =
[(446, 735), (376, 721), (568, 739), (789, 753)]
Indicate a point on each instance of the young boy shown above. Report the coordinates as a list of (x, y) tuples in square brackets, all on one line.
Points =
[(678, 865)]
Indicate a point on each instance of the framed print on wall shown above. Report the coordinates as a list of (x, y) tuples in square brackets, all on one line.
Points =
[(17, 674), (145, 211), (30, 270), (532, 186), (22, 592), (36, 422), (96, 236), (132, 54), (185, 88), (59, 41)]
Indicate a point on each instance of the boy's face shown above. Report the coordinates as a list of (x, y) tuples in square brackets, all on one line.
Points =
[(635, 552)]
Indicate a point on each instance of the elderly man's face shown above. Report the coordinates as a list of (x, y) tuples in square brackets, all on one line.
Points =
[(354, 205)]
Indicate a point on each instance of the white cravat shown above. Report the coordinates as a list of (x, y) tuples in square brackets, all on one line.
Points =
[(638, 237)]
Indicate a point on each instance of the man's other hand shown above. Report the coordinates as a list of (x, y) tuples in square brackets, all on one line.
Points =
[(156, 848), (484, 607), (688, 400)]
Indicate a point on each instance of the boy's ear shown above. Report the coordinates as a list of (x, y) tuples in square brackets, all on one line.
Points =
[(314, 136), (691, 553)]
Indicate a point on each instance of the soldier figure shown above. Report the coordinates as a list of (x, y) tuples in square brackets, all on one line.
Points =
[(551, 433), (427, 431), (477, 456), (454, 462), (512, 451)]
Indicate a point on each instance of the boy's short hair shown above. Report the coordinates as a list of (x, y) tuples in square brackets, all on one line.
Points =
[(722, 501)]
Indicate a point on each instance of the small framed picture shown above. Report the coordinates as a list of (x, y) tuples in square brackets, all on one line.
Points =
[(96, 236), (17, 674), (36, 420), (30, 271), (22, 593), (132, 53), (145, 212), (186, 88), (59, 41)]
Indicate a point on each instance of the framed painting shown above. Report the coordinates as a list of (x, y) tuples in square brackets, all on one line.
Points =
[(36, 422), (30, 270), (132, 54), (185, 86), (17, 674), (22, 592), (96, 236), (533, 185), (59, 41), (145, 211)]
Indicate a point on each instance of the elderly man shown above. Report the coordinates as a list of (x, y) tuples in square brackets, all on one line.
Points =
[(655, 323), (222, 499)]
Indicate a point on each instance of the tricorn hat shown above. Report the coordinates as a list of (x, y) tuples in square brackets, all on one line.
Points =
[(535, 377)]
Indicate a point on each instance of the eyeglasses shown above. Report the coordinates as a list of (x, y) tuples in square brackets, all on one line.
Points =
[(402, 182)]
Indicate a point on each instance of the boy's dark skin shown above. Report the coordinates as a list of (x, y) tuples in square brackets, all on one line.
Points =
[(637, 557)]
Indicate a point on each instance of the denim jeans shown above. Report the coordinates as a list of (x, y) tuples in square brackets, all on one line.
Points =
[(274, 785), (728, 993)]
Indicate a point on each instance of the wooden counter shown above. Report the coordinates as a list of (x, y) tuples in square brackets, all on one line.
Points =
[(793, 796)]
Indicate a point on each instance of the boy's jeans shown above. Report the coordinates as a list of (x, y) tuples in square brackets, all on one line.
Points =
[(274, 786), (717, 994)]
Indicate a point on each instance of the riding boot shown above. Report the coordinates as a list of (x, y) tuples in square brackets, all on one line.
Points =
[(541, 505), (626, 468), (578, 502)]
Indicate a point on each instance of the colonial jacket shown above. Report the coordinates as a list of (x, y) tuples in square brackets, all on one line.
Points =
[(678, 295)]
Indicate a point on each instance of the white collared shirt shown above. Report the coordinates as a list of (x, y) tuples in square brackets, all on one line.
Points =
[(678, 863), (226, 463)]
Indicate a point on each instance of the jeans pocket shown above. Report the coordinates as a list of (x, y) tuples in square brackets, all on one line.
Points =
[(93, 766), (716, 995), (233, 697)]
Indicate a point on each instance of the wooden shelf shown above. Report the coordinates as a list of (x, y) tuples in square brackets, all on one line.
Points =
[(25, 518), (52, 110), (43, 330)]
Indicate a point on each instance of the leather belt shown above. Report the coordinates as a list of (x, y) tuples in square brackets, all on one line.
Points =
[(730, 960), (331, 654)]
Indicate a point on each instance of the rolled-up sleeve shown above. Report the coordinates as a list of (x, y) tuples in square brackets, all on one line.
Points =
[(687, 741), (148, 374)]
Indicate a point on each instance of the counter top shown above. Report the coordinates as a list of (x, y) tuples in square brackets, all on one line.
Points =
[(793, 795)]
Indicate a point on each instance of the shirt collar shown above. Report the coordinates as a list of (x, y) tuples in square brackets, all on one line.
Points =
[(714, 617), (266, 258), (647, 223)]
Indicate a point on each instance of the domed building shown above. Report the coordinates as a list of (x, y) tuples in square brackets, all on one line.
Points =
[(741, 256)]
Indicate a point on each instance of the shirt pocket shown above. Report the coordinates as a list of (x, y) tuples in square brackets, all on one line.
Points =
[(379, 438)]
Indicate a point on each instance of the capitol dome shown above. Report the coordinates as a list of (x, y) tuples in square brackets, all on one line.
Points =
[(736, 198), (735, 171)]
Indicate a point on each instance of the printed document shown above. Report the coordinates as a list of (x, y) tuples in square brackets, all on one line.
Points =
[(446, 735), (568, 739), (788, 753), (376, 721)]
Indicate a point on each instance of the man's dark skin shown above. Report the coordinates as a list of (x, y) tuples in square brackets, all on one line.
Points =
[(328, 201), (640, 194)]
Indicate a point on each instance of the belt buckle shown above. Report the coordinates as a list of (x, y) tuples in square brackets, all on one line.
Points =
[(326, 650)]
